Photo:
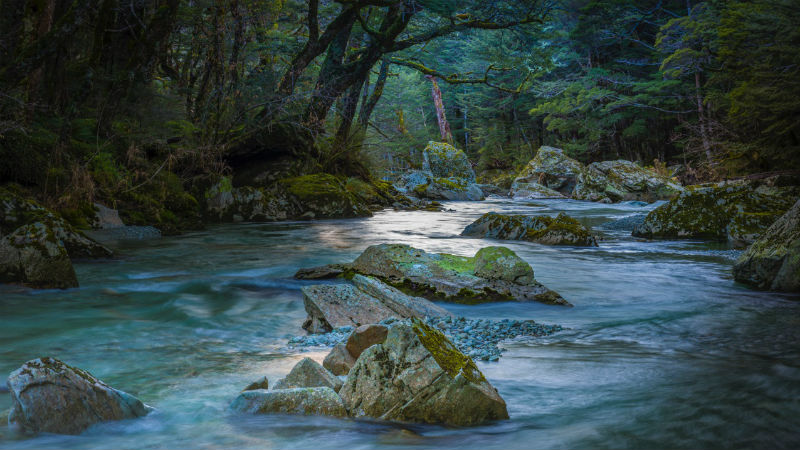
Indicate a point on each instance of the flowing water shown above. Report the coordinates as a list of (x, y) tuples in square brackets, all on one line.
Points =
[(663, 349)]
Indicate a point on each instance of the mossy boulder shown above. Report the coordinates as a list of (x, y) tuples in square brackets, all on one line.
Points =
[(560, 230), (500, 263), (225, 203), (550, 168), (376, 195), (525, 189), (417, 375), (423, 184), (773, 261), (322, 196), (49, 396), (441, 276), (445, 161), (316, 401), (737, 212)]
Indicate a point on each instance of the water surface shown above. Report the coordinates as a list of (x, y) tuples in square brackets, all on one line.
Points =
[(663, 350)]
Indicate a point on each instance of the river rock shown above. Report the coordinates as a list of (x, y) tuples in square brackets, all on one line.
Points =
[(441, 276), (529, 189), (446, 175), (365, 301), (32, 256), (339, 361), (106, 218), (53, 397), (262, 383), (737, 212), (226, 203), (773, 261), (365, 337), (308, 373), (560, 230), (417, 375), (552, 169), (316, 401)]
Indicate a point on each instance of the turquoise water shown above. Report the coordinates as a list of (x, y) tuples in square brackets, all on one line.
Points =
[(663, 349)]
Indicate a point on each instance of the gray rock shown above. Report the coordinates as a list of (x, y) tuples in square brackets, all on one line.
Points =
[(773, 261), (106, 218), (560, 230), (417, 375), (404, 305), (308, 373), (31, 255), (332, 306), (339, 361), (51, 396), (262, 383), (318, 401)]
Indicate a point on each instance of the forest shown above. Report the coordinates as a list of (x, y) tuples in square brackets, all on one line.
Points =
[(382, 224)]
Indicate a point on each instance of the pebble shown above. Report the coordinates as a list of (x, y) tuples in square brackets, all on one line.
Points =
[(477, 338)]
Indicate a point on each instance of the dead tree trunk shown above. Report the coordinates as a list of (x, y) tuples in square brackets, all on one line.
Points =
[(444, 127)]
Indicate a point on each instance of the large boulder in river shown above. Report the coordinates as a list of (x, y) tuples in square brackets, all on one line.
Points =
[(550, 168), (623, 180), (560, 230), (418, 375), (308, 373), (445, 161), (773, 261), (365, 301), (446, 175), (52, 397), (316, 401), (440, 276), (737, 212)]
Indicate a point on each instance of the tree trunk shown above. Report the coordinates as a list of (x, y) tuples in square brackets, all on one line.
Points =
[(444, 127), (701, 116)]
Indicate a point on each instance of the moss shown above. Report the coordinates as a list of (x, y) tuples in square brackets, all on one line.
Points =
[(421, 189), (460, 264), (449, 358), (450, 184)]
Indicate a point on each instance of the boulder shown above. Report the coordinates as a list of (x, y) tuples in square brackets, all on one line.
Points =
[(773, 261), (417, 375), (551, 173), (365, 301), (323, 196), (106, 218), (523, 189), (737, 212), (307, 374), (31, 255), (445, 161), (365, 337), (441, 276), (339, 361), (552, 169), (226, 203), (52, 397), (446, 175), (262, 383), (560, 230), (317, 401), (500, 263), (17, 211)]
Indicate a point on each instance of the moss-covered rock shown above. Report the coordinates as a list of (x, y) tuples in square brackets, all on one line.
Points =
[(445, 161), (552, 169), (441, 276), (560, 230), (522, 189), (50, 396), (423, 184), (33, 256), (418, 375), (225, 203), (773, 261), (737, 212), (322, 195)]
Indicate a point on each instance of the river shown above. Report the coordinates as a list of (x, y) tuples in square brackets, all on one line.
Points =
[(662, 350)]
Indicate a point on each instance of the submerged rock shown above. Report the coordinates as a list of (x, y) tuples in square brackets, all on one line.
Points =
[(441, 276), (52, 397), (365, 301), (417, 375), (626, 223), (773, 261), (316, 401), (737, 212), (308, 373), (560, 230)]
